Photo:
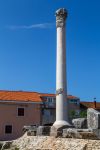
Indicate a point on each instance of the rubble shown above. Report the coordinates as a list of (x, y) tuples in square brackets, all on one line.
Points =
[(52, 143)]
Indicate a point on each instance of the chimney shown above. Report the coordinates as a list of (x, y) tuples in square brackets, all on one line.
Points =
[(95, 104)]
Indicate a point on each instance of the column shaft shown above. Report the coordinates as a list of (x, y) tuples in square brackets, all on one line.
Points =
[(61, 102)]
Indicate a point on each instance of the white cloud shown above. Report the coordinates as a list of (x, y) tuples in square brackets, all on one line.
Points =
[(41, 26)]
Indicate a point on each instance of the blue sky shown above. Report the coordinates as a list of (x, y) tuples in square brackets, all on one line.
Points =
[(28, 46)]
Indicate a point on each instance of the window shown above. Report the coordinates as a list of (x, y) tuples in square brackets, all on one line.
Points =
[(75, 101), (20, 111), (50, 100), (8, 129)]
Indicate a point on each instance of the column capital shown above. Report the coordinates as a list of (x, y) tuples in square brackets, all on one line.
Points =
[(61, 15)]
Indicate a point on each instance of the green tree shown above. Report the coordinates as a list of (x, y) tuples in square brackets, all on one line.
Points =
[(72, 113), (83, 114)]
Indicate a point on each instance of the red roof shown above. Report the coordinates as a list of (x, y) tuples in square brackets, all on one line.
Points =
[(90, 104), (72, 97), (20, 96), (26, 96), (47, 95)]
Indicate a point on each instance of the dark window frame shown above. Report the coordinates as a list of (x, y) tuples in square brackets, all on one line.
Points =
[(8, 129), (21, 112)]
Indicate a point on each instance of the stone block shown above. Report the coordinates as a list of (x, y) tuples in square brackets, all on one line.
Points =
[(79, 134), (57, 131), (93, 119), (31, 127), (31, 133), (7, 145), (43, 130), (80, 123), (1, 144), (97, 132), (70, 133)]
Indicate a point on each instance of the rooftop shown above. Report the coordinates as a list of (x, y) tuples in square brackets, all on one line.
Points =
[(20, 96), (26, 96), (54, 95), (90, 105)]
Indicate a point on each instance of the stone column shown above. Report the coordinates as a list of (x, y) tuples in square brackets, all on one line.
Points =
[(61, 90)]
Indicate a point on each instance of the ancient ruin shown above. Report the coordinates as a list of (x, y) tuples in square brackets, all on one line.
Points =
[(81, 128), (62, 135)]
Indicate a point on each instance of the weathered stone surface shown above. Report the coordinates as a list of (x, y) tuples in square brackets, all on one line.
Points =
[(80, 123), (69, 133), (27, 128), (61, 15), (97, 132), (79, 133), (1, 144), (93, 119), (31, 132), (57, 131), (43, 130), (52, 143), (6, 145)]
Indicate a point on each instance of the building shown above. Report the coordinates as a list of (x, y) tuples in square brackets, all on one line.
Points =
[(49, 107), (85, 105), (20, 108), (76, 108), (17, 109)]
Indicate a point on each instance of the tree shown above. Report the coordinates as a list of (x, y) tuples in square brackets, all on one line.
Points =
[(83, 114), (72, 113)]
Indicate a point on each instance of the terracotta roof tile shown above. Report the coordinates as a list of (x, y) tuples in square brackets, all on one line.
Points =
[(26, 96), (90, 104), (20, 96)]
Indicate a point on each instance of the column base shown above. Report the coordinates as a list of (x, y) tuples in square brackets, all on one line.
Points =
[(58, 124), (57, 128)]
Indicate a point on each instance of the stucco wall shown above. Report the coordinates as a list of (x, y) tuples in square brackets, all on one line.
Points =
[(9, 116)]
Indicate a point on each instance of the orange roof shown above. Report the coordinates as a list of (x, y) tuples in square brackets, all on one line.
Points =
[(72, 97), (25, 96), (20, 96), (90, 104), (47, 95)]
